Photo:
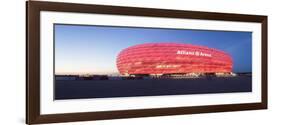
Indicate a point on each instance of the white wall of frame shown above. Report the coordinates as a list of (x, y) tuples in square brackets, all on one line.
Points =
[(12, 65)]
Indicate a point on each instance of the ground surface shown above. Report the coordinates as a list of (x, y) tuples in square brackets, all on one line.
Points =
[(127, 88)]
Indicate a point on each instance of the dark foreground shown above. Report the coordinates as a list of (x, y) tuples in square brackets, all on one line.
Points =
[(78, 89)]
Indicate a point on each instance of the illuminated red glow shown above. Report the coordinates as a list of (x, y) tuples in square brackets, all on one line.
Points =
[(172, 58)]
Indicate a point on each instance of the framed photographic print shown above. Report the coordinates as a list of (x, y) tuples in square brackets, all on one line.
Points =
[(93, 62)]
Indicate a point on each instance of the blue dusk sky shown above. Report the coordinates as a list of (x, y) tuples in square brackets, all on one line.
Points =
[(81, 49)]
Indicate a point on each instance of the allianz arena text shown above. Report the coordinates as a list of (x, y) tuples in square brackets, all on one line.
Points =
[(172, 58)]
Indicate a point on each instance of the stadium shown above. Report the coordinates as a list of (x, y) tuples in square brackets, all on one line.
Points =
[(173, 59)]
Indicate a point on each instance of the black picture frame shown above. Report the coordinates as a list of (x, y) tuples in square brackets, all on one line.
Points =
[(33, 9)]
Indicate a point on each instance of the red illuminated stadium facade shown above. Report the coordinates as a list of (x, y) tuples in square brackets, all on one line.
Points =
[(171, 59)]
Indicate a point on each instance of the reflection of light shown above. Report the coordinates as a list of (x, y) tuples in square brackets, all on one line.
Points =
[(167, 66)]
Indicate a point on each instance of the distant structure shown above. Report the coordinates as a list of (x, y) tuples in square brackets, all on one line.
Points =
[(66, 77), (167, 59)]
